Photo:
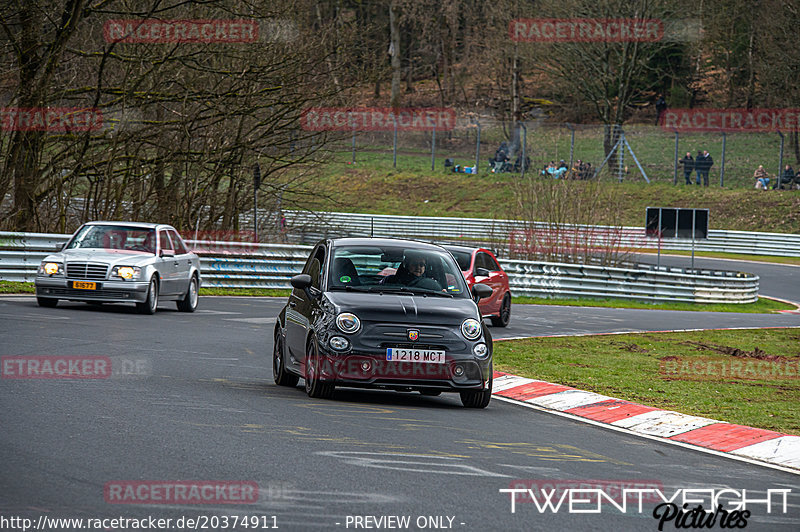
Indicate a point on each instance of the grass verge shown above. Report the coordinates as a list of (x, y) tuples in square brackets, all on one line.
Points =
[(13, 287), (372, 185), (755, 382), (730, 256), (262, 292), (762, 306)]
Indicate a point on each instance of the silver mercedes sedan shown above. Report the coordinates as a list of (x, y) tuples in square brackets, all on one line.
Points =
[(117, 262)]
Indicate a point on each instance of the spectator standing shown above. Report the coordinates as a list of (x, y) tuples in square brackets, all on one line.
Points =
[(661, 108), (703, 163), (688, 167)]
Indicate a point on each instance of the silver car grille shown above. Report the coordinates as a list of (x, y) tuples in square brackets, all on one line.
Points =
[(86, 270)]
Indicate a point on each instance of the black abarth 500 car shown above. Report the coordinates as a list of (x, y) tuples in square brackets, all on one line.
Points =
[(384, 313)]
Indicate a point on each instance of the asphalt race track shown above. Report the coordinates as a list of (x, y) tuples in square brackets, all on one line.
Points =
[(194, 401)]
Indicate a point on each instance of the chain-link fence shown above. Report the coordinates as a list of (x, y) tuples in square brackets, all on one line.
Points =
[(643, 153)]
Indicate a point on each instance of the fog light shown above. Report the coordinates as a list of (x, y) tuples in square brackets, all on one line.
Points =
[(339, 343), (458, 371), (480, 350)]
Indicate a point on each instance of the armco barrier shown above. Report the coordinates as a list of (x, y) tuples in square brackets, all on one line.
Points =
[(310, 226), (246, 265)]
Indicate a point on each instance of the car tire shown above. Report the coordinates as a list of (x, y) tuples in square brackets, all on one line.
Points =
[(431, 393), (315, 388), (48, 302), (151, 303), (279, 373), (477, 399), (505, 313), (190, 300)]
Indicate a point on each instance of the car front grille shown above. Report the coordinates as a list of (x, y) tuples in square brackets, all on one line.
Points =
[(86, 270), (86, 294)]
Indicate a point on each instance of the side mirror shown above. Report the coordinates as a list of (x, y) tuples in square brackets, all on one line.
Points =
[(482, 272), (60, 247), (301, 281), (167, 253), (481, 291)]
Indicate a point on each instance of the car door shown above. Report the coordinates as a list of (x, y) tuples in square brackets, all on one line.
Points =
[(183, 258), (301, 307), (166, 263)]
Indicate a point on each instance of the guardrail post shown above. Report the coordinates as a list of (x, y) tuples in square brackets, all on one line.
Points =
[(394, 148), (477, 147), (780, 163), (524, 142), (433, 148), (354, 139), (675, 176), (571, 144), (722, 163)]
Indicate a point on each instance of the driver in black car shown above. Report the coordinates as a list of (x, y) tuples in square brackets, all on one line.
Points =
[(412, 273)]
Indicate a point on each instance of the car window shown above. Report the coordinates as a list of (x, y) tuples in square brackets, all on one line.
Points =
[(463, 258), (163, 237), (314, 266), (180, 247), (492, 264), (484, 260), (372, 268), (114, 237)]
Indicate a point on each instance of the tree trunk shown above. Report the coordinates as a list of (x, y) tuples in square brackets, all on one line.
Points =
[(394, 51)]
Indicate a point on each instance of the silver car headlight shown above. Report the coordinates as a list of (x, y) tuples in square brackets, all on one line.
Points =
[(348, 323), (51, 268), (471, 329), (128, 273)]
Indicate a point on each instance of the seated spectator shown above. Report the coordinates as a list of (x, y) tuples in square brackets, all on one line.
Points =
[(519, 166), (762, 178), (588, 171), (500, 161), (786, 178)]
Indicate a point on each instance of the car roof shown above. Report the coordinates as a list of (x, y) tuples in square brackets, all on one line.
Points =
[(461, 248), (383, 242), (143, 225)]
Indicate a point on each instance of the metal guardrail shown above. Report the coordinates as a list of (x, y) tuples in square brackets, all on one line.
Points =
[(310, 226), (247, 265)]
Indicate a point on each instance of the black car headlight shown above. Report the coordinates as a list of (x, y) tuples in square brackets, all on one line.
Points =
[(51, 268), (480, 350), (348, 322), (471, 329)]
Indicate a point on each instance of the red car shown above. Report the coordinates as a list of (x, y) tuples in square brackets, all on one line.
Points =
[(479, 265)]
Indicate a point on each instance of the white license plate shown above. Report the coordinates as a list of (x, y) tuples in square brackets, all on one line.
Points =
[(427, 356)]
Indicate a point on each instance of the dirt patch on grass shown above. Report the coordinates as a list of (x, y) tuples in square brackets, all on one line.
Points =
[(633, 348), (756, 353)]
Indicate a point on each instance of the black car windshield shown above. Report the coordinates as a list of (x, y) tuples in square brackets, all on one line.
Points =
[(396, 269), (114, 237)]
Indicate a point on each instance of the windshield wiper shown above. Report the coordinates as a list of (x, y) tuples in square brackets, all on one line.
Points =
[(408, 290)]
